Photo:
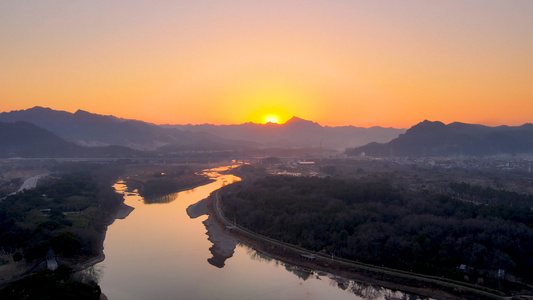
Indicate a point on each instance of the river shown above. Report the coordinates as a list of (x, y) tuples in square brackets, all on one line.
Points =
[(162, 252)]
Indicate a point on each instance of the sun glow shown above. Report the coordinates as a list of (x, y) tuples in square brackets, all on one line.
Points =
[(273, 114), (271, 119)]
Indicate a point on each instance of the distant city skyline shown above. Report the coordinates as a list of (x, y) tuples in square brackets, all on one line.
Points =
[(360, 63)]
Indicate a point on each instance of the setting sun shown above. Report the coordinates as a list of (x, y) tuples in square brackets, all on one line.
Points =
[(380, 63), (271, 114), (271, 119)]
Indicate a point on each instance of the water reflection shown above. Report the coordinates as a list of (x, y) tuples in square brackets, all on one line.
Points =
[(368, 291), (259, 256), (224, 246), (221, 169), (160, 252), (358, 288), (301, 273), (160, 199)]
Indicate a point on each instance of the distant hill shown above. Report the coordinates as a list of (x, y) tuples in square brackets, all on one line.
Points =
[(90, 129), (437, 139), (23, 139), (298, 133)]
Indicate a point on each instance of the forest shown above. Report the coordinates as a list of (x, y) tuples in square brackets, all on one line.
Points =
[(374, 222), (68, 214)]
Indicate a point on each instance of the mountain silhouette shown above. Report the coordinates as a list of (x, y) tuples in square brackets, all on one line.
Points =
[(437, 139), (88, 129), (26, 140), (297, 133)]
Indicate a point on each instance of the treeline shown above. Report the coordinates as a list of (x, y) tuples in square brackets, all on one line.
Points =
[(67, 214), (490, 196), (374, 222)]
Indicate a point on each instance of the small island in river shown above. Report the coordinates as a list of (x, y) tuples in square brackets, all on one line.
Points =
[(154, 184)]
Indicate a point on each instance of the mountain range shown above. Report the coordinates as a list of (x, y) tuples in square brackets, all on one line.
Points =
[(23, 139), (437, 139), (88, 129), (297, 133), (27, 132)]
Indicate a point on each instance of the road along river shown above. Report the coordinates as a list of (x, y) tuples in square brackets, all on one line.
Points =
[(162, 251)]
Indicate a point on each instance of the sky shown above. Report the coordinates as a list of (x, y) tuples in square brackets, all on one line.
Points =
[(344, 62)]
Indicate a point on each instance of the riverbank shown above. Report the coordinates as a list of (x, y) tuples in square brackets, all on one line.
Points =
[(122, 213), (429, 286), (12, 271), (223, 243)]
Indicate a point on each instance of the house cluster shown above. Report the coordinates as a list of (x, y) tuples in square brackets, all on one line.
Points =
[(503, 163), (297, 168)]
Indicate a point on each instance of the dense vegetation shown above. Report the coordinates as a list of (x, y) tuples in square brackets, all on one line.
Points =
[(495, 199), (374, 222), (47, 284), (67, 214)]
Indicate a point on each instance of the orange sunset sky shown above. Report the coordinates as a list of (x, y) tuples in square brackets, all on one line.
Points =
[(362, 63)]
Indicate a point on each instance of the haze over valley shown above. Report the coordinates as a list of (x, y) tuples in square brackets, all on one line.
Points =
[(87, 129), (367, 150)]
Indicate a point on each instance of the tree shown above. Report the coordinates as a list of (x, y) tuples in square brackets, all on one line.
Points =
[(66, 243), (17, 256)]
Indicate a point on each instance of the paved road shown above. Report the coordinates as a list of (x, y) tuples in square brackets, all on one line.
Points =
[(31, 182)]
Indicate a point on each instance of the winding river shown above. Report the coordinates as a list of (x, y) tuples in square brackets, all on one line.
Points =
[(161, 251)]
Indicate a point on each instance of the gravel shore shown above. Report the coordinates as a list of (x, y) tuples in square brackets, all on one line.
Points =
[(223, 243)]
